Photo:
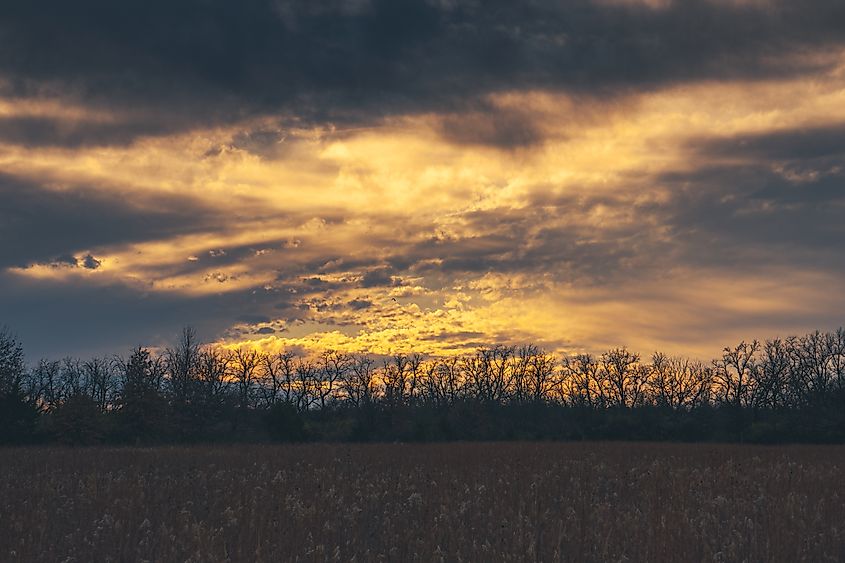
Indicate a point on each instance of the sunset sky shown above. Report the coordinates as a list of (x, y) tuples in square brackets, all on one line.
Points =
[(431, 175)]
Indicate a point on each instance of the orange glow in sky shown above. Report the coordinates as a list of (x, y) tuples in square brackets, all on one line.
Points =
[(679, 212)]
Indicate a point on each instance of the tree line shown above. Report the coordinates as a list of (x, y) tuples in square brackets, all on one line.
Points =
[(778, 390)]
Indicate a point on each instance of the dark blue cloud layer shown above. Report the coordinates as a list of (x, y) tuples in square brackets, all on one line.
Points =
[(169, 65)]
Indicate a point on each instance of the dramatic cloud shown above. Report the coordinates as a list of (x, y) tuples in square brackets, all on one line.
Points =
[(39, 222), (202, 62), (433, 175)]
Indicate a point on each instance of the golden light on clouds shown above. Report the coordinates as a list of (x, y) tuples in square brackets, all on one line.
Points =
[(413, 233)]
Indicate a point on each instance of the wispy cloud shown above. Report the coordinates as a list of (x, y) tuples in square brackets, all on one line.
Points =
[(386, 175)]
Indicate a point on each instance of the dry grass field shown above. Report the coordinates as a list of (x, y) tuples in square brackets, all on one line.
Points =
[(447, 502)]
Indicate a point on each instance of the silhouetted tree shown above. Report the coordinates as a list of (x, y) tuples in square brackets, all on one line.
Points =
[(78, 420), (444, 383), (278, 378), (45, 385), (626, 380), (305, 386), (12, 368), (775, 374), (583, 384), (734, 374), (332, 371), (816, 356), (18, 413), (679, 383), (358, 382), (540, 374), (141, 406), (784, 389), (181, 363), (213, 367), (101, 378), (244, 363), (401, 378), (487, 374)]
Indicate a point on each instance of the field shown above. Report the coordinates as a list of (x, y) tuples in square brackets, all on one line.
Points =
[(447, 502)]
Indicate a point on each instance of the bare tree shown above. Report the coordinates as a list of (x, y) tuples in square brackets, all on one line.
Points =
[(44, 385), (305, 385), (626, 380), (244, 364), (837, 360), (12, 368), (582, 381), (487, 374), (182, 362), (443, 383), (734, 374), (71, 379), (358, 382), (816, 356), (333, 369), (533, 375), (401, 377), (775, 373), (213, 366), (101, 381), (837, 344), (280, 378), (678, 383), (498, 362), (271, 378)]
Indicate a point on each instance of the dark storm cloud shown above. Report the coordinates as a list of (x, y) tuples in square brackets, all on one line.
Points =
[(495, 127), (785, 168), (807, 143), (732, 214), (38, 224), (550, 239), (77, 133), (358, 304), (379, 277), (253, 319), (82, 318), (774, 198), (565, 252), (204, 61)]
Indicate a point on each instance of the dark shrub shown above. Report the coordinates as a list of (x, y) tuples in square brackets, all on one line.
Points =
[(17, 419), (78, 421), (284, 423)]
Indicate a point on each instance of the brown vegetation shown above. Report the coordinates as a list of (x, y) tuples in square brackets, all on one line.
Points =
[(455, 502)]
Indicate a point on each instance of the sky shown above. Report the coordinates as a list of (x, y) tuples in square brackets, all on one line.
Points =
[(431, 175)]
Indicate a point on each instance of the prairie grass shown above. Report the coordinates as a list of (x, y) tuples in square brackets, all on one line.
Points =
[(442, 502)]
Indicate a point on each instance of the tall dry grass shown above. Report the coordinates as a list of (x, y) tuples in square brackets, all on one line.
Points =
[(452, 502)]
